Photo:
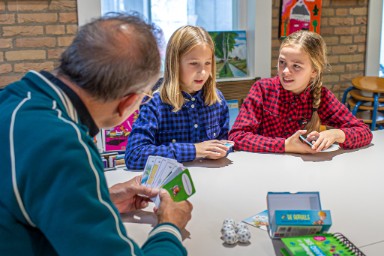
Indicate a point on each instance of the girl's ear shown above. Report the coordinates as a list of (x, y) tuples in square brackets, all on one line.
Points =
[(314, 73)]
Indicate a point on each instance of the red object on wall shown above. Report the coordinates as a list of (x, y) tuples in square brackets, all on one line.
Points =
[(299, 15)]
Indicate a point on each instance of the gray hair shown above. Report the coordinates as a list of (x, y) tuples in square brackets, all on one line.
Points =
[(113, 56)]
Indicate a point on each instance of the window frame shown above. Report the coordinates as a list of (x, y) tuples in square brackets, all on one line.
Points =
[(375, 15), (258, 48)]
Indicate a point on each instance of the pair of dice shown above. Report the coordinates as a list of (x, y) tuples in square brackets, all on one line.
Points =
[(233, 232)]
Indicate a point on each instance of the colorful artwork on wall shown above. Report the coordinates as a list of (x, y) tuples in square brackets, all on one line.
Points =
[(299, 15), (116, 138), (230, 53)]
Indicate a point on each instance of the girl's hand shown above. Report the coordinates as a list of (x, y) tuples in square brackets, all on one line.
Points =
[(294, 145), (326, 138), (212, 149)]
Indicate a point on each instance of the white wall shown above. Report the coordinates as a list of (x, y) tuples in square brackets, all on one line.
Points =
[(87, 9)]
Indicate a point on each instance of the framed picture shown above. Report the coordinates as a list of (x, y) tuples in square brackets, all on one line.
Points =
[(230, 53), (299, 15)]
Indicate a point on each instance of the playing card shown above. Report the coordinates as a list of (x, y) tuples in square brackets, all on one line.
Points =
[(164, 173), (168, 173), (176, 171), (181, 187), (229, 145), (147, 169), (160, 172), (155, 169)]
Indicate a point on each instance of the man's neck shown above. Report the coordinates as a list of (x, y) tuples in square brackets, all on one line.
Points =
[(99, 111)]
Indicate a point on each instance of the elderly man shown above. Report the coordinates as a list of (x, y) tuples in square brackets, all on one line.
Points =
[(54, 196)]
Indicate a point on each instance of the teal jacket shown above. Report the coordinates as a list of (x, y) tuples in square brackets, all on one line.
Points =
[(54, 196)]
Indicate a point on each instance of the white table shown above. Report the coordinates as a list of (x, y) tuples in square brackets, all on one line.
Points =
[(374, 249), (349, 182)]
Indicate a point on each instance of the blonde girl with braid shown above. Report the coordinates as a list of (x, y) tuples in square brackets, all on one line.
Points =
[(278, 110)]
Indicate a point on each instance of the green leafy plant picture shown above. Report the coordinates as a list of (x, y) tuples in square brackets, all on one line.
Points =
[(230, 53)]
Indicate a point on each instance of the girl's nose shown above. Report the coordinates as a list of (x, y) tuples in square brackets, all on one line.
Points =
[(286, 70)]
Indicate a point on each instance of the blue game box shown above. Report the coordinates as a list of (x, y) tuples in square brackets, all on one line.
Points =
[(296, 214)]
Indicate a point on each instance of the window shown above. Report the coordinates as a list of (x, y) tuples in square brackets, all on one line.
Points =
[(381, 72), (212, 15), (253, 16), (375, 39)]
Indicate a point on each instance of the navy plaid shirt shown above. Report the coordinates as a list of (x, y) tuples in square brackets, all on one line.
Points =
[(270, 114), (161, 132)]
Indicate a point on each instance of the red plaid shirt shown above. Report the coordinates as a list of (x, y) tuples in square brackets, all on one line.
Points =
[(270, 114)]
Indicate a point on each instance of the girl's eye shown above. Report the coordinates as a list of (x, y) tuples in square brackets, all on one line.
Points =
[(297, 67), (208, 63), (281, 62)]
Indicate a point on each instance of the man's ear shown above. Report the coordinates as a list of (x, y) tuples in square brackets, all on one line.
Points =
[(127, 102)]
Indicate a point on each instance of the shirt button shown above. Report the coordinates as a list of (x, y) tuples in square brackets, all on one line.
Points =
[(173, 141), (214, 134), (192, 106), (196, 125), (290, 119), (193, 99)]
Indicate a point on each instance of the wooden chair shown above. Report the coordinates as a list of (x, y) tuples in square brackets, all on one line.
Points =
[(365, 100)]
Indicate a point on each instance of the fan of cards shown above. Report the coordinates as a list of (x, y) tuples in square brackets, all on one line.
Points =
[(166, 173), (233, 232)]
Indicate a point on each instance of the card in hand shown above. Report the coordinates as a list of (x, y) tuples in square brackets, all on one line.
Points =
[(147, 169), (161, 172), (181, 187), (229, 145)]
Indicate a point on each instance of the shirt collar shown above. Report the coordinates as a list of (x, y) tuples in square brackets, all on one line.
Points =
[(198, 96), (288, 96), (85, 116)]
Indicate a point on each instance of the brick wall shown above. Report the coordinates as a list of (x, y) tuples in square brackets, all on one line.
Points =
[(33, 34), (344, 28)]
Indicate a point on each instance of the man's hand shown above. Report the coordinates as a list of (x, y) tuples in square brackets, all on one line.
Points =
[(127, 196), (178, 213)]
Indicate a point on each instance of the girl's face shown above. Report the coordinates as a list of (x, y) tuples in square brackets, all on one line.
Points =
[(195, 68), (295, 69)]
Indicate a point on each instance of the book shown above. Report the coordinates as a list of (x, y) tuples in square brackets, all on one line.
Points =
[(319, 244)]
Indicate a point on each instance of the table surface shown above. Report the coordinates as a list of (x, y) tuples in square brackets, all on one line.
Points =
[(349, 182), (369, 83), (374, 249)]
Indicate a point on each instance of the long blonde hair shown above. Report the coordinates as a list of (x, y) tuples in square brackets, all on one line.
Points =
[(314, 45), (180, 43)]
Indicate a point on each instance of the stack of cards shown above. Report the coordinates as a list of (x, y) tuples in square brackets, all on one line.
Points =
[(166, 173)]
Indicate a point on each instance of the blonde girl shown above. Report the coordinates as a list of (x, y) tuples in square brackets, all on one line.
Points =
[(187, 117), (278, 110)]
